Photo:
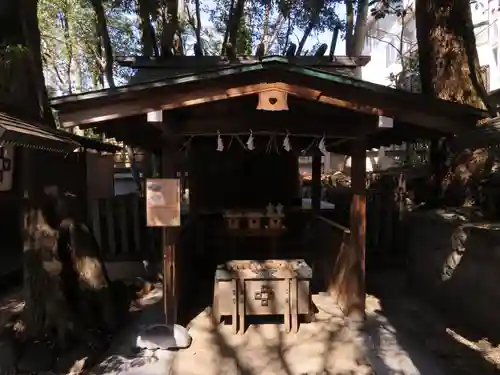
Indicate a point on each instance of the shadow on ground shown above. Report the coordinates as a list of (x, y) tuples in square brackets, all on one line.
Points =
[(324, 346), (415, 322)]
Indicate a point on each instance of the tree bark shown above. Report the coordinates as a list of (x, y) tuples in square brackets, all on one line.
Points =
[(198, 24), (62, 269), (449, 70), (148, 35), (313, 22), (235, 22), (170, 46), (21, 73), (105, 40), (67, 290), (448, 60), (356, 32), (333, 43), (225, 39)]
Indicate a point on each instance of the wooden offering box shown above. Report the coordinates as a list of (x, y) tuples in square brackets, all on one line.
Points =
[(254, 220), (233, 219), (271, 287), (275, 221)]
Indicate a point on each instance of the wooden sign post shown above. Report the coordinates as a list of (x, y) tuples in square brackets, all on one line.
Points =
[(163, 209)]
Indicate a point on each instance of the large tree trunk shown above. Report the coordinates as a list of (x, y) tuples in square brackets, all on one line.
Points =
[(356, 31), (235, 22), (197, 29), (450, 70), (65, 283), (102, 28), (448, 61), (148, 35), (67, 290), (170, 43), (21, 74)]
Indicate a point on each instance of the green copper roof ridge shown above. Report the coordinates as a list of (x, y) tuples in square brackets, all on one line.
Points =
[(275, 59), (165, 82), (330, 76)]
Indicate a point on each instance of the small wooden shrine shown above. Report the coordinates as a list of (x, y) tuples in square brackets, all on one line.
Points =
[(272, 287), (233, 132)]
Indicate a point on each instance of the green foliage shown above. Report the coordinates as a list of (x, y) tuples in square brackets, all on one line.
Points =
[(71, 48), (303, 10), (382, 8), (409, 77), (285, 19)]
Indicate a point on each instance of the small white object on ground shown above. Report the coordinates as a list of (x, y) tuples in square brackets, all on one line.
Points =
[(164, 337)]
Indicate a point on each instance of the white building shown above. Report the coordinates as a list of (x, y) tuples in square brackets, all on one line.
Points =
[(389, 38)]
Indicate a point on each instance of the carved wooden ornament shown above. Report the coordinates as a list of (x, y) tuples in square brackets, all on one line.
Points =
[(273, 100)]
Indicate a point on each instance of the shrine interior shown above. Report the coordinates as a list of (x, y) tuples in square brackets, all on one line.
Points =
[(236, 180)]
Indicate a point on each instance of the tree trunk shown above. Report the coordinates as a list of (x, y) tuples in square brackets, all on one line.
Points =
[(313, 22), (333, 43), (21, 74), (64, 278), (307, 32), (449, 70), (105, 40), (356, 32), (448, 61), (66, 287), (148, 35), (198, 24), (170, 46), (235, 22), (229, 21)]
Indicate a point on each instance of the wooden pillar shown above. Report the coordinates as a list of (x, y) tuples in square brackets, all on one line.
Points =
[(316, 183), (355, 304), (168, 243)]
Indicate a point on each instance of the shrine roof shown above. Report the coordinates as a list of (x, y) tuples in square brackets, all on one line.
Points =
[(25, 134), (213, 84), (152, 69), (16, 131)]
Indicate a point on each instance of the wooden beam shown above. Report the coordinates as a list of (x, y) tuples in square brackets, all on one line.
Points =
[(280, 123), (169, 243), (148, 103), (316, 183), (355, 297)]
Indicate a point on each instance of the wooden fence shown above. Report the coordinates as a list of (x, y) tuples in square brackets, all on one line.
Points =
[(384, 198), (332, 260), (119, 226), (385, 205)]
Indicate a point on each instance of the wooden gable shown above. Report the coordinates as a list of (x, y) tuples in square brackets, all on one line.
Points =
[(227, 83)]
